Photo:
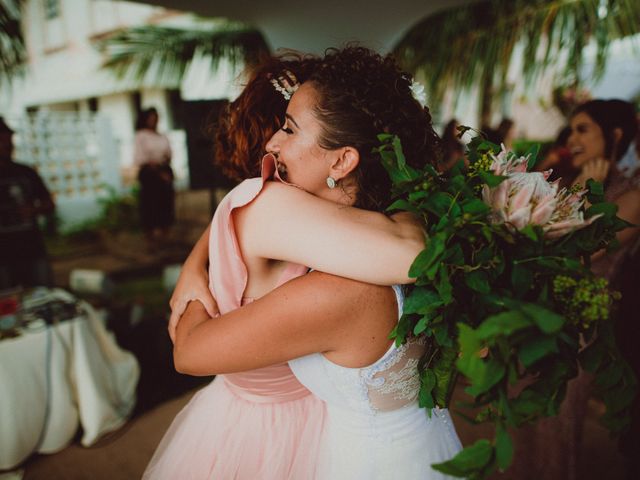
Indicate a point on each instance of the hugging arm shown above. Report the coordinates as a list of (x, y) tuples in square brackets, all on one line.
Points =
[(303, 316), (285, 223), (193, 284)]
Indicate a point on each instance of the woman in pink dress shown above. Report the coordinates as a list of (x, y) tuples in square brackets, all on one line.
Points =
[(263, 423), (374, 428)]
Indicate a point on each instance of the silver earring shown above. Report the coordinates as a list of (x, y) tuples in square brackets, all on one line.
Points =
[(331, 183)]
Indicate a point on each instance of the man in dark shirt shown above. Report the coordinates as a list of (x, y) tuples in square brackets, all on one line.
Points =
[(23, 197)]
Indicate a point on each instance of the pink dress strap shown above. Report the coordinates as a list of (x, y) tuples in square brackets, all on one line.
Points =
[(227, 271)]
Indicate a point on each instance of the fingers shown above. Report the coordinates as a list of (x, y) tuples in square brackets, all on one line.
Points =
[(210, 305), (173, 325)]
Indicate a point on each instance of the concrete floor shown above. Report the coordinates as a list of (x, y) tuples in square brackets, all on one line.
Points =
[(124, 454)]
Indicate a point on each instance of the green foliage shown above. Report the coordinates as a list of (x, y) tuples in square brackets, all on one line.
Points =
[(117, 213), (473, 44), (13, 52), (499, 305), (166, 52)]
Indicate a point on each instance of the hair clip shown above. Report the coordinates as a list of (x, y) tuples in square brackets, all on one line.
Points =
[(286, 84)]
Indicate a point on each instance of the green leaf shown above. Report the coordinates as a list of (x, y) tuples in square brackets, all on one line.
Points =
[(477, 280), (438, 203), (532, 232), (546, 320), (504, 323), (472, 458), (521, 278), (444, 286), (486, 377), (441, 334), (595, 188), (533, 156), (533, 350), (608, 209), (422, 300), (490, 179), (475, 207), (504, 447), (427, 384), (423, 323), (401, 329), (402, 204), (424, 262), (446, 375)]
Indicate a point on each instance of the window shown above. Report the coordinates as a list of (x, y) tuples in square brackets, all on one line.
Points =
[(51, 9)]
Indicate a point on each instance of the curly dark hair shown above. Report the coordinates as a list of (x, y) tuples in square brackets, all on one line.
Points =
[(360, 95), (246, 124)]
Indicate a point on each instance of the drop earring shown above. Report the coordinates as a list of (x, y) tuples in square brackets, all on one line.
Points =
[(331, 182)]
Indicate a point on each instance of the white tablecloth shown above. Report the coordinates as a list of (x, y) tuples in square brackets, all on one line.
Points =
[(60, 377)]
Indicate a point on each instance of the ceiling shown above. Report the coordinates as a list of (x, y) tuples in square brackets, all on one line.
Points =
[(314, 26)]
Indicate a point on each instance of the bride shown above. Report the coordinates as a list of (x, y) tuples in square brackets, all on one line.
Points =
[(334, 331)]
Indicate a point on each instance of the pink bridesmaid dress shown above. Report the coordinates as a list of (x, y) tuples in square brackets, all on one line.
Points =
[(262, 424)]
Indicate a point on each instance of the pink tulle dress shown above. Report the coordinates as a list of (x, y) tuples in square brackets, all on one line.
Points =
[(263, 424)]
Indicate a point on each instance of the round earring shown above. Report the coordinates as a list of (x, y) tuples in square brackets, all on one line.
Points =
[(331, 183)]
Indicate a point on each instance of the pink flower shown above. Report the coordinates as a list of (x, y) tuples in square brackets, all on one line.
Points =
[(527, 198)]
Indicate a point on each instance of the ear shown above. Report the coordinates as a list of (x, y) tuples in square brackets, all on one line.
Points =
[(345, 162)]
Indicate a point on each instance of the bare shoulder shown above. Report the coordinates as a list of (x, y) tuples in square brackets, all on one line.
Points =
[(346, 295)]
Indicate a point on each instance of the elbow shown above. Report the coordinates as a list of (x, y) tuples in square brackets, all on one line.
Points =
[(187, 364), (180, 363)]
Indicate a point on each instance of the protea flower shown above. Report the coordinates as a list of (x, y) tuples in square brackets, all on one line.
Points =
[(528, 198)]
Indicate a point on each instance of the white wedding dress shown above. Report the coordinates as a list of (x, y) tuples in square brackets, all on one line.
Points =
[(375, 429)]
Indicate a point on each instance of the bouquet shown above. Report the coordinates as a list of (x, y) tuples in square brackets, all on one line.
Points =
[(505, 294)]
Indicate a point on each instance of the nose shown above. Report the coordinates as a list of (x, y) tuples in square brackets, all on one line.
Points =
[(273, 145)]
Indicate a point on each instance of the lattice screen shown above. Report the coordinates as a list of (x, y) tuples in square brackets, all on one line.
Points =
[(74, 153)]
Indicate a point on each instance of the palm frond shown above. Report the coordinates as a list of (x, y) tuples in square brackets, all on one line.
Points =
[(166, 52), (474, 44), (12, 46)]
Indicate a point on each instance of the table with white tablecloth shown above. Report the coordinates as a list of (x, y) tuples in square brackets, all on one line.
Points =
[(58, 377)]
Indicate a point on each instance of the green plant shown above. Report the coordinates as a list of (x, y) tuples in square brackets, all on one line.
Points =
[(500, 293)]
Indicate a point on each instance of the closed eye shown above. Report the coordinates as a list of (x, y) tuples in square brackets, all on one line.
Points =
[(287, 130)]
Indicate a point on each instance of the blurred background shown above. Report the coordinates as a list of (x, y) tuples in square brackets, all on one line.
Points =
[(76, 75)]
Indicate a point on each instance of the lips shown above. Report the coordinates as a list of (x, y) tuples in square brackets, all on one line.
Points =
[(576, 150)]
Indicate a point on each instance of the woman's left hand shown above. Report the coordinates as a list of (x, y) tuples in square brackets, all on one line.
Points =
[(192, 285), (597, 169)]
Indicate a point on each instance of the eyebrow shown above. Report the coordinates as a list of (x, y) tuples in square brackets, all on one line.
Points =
[(290, 118)]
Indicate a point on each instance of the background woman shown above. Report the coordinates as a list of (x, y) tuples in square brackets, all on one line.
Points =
[(374, 428), (601, 131), (263, 423), (152, 154)]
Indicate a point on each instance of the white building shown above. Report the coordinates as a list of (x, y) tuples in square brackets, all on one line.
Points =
[(65, 84)]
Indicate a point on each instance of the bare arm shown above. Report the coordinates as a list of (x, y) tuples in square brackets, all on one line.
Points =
[(285, 223), (193, 284), (303, 316)]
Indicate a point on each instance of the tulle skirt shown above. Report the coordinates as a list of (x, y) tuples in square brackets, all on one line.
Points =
[(248, 426)]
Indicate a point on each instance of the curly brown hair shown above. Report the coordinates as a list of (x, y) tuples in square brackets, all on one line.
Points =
[(363, 94), (247, 123)]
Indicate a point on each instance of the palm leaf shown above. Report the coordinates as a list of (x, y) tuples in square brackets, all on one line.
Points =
[(166, 52), (474, 44), (12, 47)]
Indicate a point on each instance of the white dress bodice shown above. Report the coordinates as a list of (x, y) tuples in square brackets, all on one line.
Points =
[(375, 428)]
